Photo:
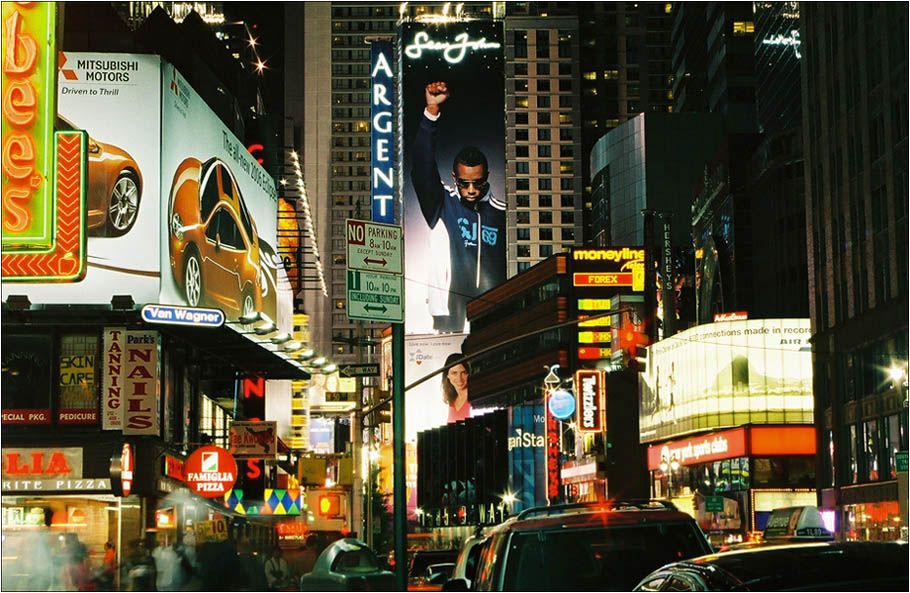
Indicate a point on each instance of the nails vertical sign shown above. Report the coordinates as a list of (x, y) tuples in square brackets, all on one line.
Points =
[(43, 173), (140, 384)]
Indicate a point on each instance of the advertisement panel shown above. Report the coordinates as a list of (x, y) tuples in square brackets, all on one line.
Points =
[(29, 43), (219, 212), (382, 139), (116, 99), (756, 371), (140, 384), (527, 456), (442, 398), (453, 176)]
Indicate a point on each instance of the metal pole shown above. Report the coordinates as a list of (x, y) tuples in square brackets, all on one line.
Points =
[(399, 486)]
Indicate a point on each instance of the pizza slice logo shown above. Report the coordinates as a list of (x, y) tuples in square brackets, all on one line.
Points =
[(210, 461)]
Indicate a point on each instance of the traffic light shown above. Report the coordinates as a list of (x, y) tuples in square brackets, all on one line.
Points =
[(329, 505), (634, 343)]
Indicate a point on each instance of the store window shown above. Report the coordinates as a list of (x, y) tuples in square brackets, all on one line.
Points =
[(852, 467), (871, 446), (27, 378)]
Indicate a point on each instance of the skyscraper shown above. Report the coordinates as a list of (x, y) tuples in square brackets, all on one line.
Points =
[(854, 70)]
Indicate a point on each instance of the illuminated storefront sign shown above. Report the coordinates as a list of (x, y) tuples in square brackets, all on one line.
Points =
[(29, 108), (553, 494), (53, 469), (140, 383), (589, 385), (588, 353), (112, 378), (733, 316), (623, 279), (758, 369), (123, 464), (454, 51), (756, 441), (174, 315), (585, 337), (561, 404), (594, 304), (211, 472), (382, 140)]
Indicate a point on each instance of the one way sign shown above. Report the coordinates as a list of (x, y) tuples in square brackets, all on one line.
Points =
[(359, 370)]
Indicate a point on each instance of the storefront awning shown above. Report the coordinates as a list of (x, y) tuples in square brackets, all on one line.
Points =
[(221, 351)]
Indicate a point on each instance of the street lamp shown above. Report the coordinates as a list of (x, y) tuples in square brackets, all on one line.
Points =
[(898, 375), (668, 467)]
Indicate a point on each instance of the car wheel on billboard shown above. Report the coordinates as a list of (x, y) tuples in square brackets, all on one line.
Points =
[(192, 278), (248, 305), (124, 204)]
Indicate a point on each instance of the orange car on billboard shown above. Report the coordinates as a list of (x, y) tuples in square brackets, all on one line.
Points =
[(216, 256), (114, 187)]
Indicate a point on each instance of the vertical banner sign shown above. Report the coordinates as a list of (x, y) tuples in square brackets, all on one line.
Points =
[(668, 295), (453, 191), (553, 490), (140, 384), (112, 365), (29, 109), (589, 385), (382, 140)]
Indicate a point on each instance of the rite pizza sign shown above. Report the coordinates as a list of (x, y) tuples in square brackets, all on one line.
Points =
[(53, 469), (210, 471)]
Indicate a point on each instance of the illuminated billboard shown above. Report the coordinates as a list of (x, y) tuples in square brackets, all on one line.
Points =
[(756, 371), (453, 192), (219, 211), (441, 399), (115, 98), (29, 76), (382, 139)]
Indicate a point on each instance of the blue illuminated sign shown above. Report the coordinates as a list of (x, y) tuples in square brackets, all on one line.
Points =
[(561, 404), (173, 315), (382, 140)]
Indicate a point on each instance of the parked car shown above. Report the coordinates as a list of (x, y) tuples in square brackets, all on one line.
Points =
[(584, 547), (421, 560), (215, 252), (467, 561), (113, 189), (829, 566), (348, 565)]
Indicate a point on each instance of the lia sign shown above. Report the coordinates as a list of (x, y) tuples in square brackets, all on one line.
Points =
[(210, 471)]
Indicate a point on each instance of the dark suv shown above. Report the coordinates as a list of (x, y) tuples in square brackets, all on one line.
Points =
[(585, 547)]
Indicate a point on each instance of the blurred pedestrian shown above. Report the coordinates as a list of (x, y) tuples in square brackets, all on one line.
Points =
[(76, 575), (108, 568), (252, 572), (138, 573), (277, 571)]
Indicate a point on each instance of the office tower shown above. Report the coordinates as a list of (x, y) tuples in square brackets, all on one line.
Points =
[(854, 70)]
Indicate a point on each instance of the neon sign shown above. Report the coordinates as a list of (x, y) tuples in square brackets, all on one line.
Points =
[(589, 384), (791, 40), (452, 52), (29, 109), (382, 186)]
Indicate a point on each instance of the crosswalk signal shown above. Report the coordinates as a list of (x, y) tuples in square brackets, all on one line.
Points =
[(329, 505)]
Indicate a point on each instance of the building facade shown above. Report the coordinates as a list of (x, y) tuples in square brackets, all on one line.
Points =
[(854, 71)]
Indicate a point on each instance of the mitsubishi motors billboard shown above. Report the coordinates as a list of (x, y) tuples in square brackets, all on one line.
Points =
[(219, 211), (116, 99)]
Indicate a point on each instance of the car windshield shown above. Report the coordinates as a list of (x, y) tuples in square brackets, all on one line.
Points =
[(596, 559)]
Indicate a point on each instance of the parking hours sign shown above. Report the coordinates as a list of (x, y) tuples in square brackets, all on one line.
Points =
[(373, 247), (374, 296)]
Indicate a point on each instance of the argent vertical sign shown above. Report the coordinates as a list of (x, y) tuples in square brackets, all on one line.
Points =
[(382, 100)]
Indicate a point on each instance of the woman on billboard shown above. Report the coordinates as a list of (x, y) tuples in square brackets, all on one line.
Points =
[(455, 388)]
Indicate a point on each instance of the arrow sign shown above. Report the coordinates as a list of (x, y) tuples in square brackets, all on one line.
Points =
[(373, 247), (373, 296), (359, 370)]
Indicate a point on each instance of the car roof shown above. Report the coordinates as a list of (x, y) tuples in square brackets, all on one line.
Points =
[(614, 513), (802, 564)]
